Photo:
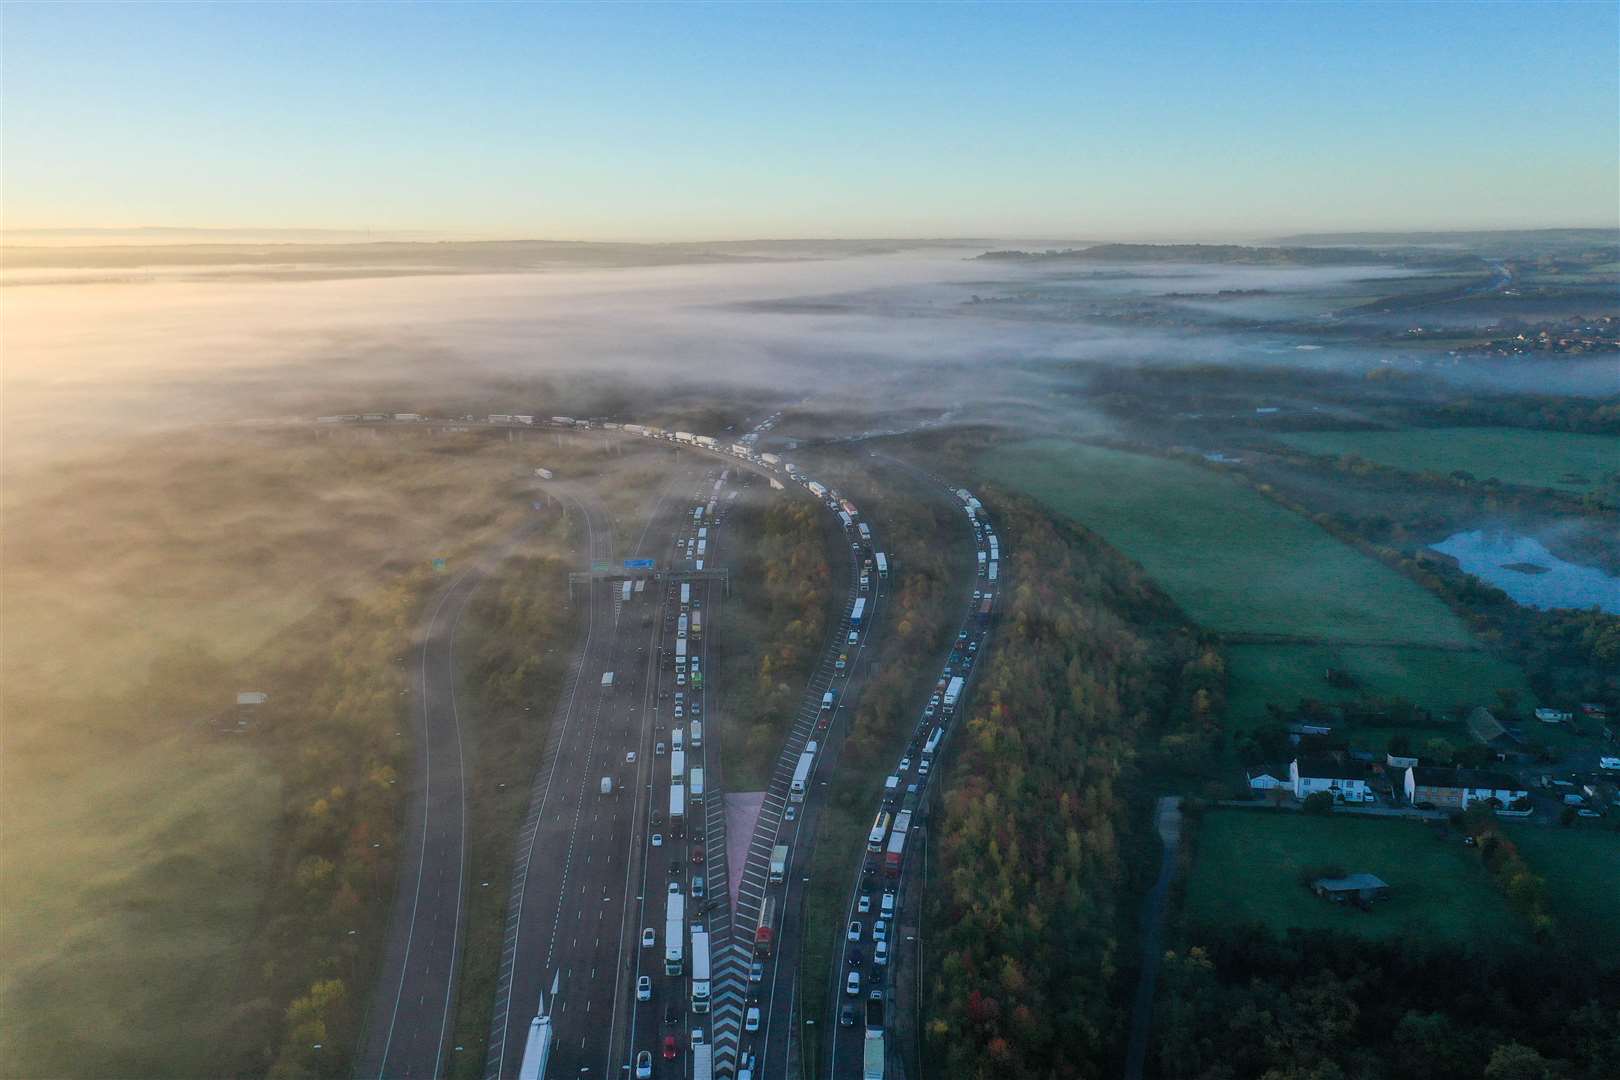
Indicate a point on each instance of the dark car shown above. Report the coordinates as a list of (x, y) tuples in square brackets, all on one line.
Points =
[(672, 1015), (846, 1016), (697, 854), (855, 958)]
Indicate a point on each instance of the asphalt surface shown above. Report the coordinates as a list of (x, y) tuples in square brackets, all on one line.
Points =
[(846, 1044), (412, 1008)]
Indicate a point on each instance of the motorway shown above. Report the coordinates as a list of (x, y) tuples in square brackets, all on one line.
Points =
[(575, 909), (886, 871), (413, 1008)]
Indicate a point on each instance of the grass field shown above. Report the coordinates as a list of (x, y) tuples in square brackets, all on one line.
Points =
[(1582, 871), (1249, 861), (1559, 460), (129, 895), (1235, 561), (1432, 678)]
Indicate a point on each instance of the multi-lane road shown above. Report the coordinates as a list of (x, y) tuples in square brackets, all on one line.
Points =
[(618, 826)]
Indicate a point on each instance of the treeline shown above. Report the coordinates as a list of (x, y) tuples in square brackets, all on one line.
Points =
[(1589, 415), (776, 624), (1044, 831), (1320, 1005), (333, 736)]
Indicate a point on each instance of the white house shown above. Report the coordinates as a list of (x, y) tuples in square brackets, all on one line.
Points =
[(1345, 780), (1460, 788), (1268, 778)]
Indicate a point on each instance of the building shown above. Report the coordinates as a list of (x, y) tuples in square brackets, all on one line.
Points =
[(1460, 788), (1554, 716), (1345, 780), (1356, 888), (1268, 778)]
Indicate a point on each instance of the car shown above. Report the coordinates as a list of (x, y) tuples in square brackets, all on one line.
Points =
[(854, 638), (880, 953), (680, 713), (928, 710), (854, 930), (649, 938), (657, 839), (880, 931), (854, 958), (697, 854), (629, 757), (852, 984), (842, 662), (697, 706), (675, 870), (697, 887), (922, 767), (644, 988), (680, 678), (961, 635), (864, 904), (846, 1016), (792, 813), (658, 749), (905, 763), (751, 1020), (658, 817), (756, 971), (672, 1015), (973, 646), (644, 1065), (672, 1046)]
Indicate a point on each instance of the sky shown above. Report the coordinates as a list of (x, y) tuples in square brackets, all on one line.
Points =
[(668, 122)]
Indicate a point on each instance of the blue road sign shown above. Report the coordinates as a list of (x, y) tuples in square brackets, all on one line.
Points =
[(640, 564)]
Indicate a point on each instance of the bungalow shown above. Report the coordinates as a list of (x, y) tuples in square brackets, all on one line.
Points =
[(1460, 788), (1399, 761), (1346, 780), (1357, 888), (1268, 778)]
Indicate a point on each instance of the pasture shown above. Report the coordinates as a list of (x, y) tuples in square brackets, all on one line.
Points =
[(1562, 461), (1249, 864), (1235, 561)]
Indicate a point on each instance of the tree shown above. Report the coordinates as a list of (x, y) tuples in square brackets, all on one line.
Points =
[(1515, 1061), (1319, 802)]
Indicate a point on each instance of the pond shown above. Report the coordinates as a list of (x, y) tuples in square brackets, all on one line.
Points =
[(1522, 567)]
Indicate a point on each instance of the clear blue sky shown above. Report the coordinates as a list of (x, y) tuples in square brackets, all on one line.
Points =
[(678, 121)]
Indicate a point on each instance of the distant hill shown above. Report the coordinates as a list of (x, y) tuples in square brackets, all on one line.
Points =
[(1487, 241), (1200, 253)]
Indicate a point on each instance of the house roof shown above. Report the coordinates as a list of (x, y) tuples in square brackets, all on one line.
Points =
[(1427, 776), (1276, 772), (1351, 882), (1331, 769)]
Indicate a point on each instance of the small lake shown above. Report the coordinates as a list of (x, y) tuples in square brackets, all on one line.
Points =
[(1533, 576)]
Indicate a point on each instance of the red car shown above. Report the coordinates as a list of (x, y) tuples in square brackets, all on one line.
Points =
[(697, 854), (672, 1046)]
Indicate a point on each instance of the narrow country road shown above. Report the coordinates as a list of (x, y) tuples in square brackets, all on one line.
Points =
[(1168, 818)]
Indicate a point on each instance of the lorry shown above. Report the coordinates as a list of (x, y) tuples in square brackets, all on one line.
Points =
[(994, 568), (865, 530), (686, 593), (677, 810), (874, 1013), (680, 628), (697, 734), (895, 853), (982, 563), (765, 931), (702, 1061), (779, 858), (872, 1058), (846, 520), (882, 565), (801, 777), (697, 783), (953, 692), (700, 971), (680, 652), (674, 934), (607, 785), (677, 766), (858, 612)]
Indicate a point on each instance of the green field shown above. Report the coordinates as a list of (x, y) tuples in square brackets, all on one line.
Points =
[(1582, 870), (1548, 459), (1433, 678), (128, 907), (1249, 863), (1235, 561)]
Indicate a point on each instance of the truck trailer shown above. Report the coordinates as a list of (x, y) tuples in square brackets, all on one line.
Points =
[(674, 934), (779, 859)]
